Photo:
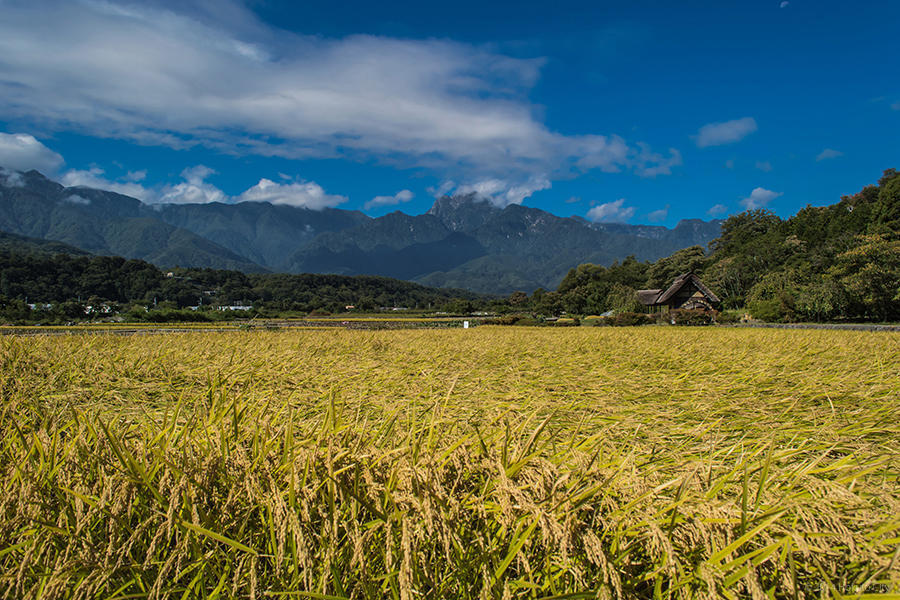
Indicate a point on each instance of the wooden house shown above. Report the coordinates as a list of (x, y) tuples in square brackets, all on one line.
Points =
[(687, 291)]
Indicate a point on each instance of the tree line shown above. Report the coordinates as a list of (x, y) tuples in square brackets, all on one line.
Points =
[(49, 287), (825, 263)]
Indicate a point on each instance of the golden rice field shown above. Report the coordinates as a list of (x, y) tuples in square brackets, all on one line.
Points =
[(485, 463)]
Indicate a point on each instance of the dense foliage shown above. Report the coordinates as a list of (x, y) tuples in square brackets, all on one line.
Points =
[(824, 263), (61, 287)]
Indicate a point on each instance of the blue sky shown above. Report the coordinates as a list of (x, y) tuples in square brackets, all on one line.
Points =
[(643, 112)]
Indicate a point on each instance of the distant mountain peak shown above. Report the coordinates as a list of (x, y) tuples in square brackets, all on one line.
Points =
[(462, 241), (463, 212)]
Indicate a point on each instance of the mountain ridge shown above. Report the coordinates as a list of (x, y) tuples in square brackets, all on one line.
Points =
[(461, 241)]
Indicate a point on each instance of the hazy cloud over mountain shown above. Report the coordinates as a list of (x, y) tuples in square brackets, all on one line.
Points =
[(305, 194), (95, 178), (611, 212), (502, 193), (398, 198)]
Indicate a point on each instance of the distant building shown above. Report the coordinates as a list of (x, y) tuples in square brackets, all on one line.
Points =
[(687, 291)]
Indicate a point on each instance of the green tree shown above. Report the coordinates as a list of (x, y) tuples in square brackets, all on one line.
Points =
[(870, 273), (661, 273), (886, 211)]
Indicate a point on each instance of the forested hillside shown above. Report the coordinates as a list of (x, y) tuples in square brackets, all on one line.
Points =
[(464, 241), (46, 287), (834, 262)]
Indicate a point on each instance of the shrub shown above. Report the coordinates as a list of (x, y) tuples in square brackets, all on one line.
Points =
[(767, 310), (684, 316), (729, 316), (510, 319)]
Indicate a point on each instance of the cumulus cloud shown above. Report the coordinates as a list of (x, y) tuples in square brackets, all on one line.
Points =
[(305, 194), (717, 210), (764, 165), (726, 132), (76, 199), (828, 153), (193, 190), (95, 177), (502, 193), (184, 74), (659, 215), (23, 152), (611, 212), (398, 198), (196, 189), (759, 198)]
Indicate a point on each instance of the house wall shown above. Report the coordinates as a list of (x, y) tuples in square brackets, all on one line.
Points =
[(690, 294)]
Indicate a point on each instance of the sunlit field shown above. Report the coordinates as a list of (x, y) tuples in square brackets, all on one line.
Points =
[(484, 463)]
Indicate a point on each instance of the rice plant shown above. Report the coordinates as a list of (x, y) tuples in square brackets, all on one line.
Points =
[(485, 463)]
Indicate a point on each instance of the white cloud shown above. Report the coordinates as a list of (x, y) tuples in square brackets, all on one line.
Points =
[(784, 4), (828, 153), (659, 215), (726, 132), (764, 165), (611, 212), (398, 198), (95, 178), (22, 152), (306, 194), (186, 74), (717, 210), (193, 190), (759, 198), (502, 193)]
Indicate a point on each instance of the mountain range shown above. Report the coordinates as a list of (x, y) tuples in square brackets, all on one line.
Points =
[(462, 241)]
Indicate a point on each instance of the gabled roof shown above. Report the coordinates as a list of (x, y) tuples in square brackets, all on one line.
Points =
[(680, 282), (648, 297)]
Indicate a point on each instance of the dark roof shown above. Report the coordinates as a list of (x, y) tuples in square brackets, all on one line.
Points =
[(648, 297), (679, 282)]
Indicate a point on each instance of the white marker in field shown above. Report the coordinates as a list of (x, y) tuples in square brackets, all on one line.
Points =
[(465, 324)]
